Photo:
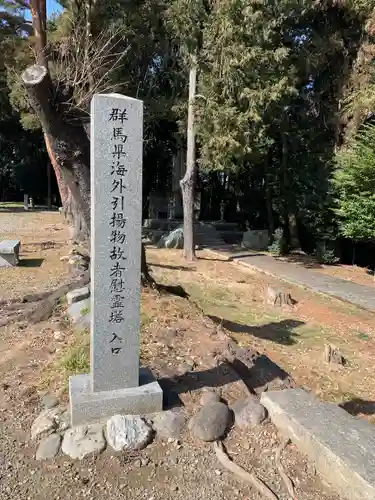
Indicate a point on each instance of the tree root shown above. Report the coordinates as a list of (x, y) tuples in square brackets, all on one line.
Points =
[(148, 281), (44, 310), (38, 307), (176, 290), (241, 473), (286, 479)]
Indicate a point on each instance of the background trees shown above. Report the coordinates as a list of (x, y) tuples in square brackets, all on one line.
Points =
[(282, 90)]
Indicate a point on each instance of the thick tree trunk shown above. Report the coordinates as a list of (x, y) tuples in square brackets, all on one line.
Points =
[(74, 218), (188, 181), (70, 211), (49, 196), (63, 188), (69, 146), (290, 221), (146, 278), (293, 230)]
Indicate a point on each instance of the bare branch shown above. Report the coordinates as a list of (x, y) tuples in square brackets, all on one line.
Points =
[(84, 63)]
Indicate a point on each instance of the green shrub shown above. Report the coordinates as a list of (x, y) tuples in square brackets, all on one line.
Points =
[(278, 246), (325, 254)]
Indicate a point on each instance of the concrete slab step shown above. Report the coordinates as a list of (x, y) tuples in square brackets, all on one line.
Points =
[(342, 446)]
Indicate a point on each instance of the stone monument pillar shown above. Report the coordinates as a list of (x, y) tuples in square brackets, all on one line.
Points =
[(116, 383)]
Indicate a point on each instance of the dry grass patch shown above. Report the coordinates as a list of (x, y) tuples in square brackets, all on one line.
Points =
[(294, 338)]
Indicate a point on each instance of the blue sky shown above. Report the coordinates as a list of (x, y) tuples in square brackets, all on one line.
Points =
[(52, 6)]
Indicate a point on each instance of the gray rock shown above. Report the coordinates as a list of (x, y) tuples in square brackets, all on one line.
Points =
[(175, 239), (208, 397), (78, 295), (169, 424), (128, 432), (78, 309), (49, 447), (211, 422), (341, 446), (84, 440), (256, 239), (49, 401), (248, 412), (45, 422)]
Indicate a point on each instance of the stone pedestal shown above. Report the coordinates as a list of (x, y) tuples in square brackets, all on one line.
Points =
[(87, 406)]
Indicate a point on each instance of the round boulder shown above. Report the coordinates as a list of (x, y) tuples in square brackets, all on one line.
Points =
[(48, 447), (248, 412), (169, 424), (128, 432), (211, 422), (79, 442)]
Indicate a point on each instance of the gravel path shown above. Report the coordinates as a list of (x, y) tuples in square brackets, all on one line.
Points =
[(358, 295)]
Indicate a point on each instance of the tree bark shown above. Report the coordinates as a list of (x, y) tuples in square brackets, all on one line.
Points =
[(38, 10), (290, 221), (284, 180), (271, 222), (39, 19), (89, 7), (146, 278), (49, 197), (188, 181), (293, 230), (69, 145), (63, 189)]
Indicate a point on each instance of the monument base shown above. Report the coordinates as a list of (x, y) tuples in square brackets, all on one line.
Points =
[(87, 406)]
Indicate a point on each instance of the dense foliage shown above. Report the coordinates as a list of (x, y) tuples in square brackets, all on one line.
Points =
[(283, 89), (355, 183)]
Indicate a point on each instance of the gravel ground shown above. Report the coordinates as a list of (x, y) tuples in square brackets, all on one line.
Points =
[(161, 471), (186, 471)]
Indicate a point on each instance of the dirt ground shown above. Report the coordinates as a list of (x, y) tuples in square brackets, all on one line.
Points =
[(294, 337), (182, 342), (44, 239)]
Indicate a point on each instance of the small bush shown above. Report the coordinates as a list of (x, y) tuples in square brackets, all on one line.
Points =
[(325, 255), (77, 360), (278, 246)]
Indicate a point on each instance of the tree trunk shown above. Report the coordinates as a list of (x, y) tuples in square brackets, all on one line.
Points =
[(146, 278), (188, 181), (271, 222), (89, 6), (69, 145), (74, 218), (63, 188), (290, 221), (293, 230), (49, 197), (39, 20)]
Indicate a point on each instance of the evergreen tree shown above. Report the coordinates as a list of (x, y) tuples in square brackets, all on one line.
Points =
[(355, 183)]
